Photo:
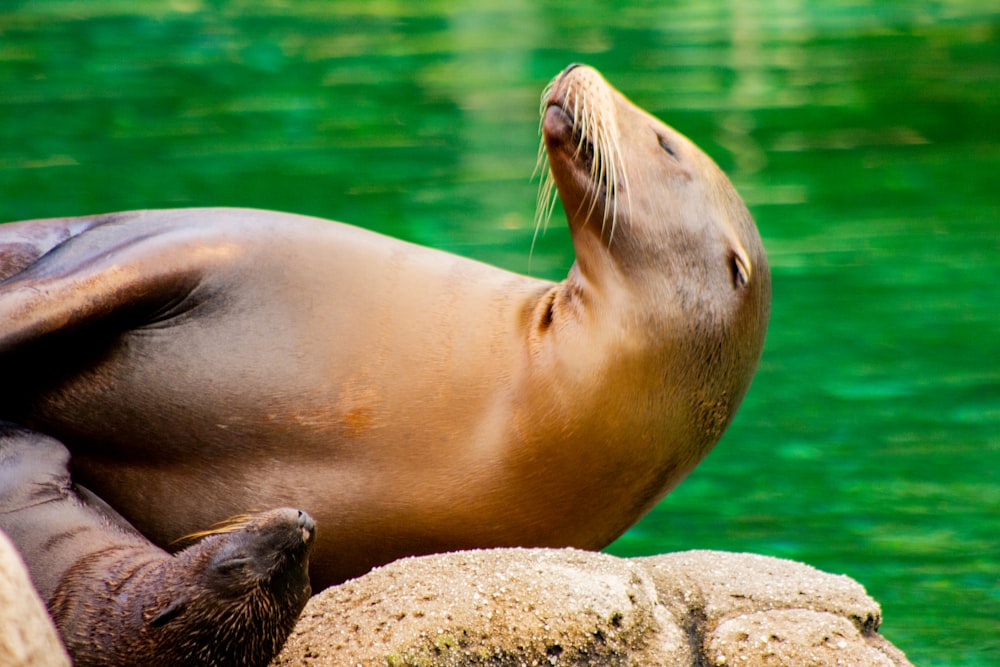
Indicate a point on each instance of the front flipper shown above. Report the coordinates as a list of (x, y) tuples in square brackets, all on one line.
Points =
[(23, 243), (114, 274)]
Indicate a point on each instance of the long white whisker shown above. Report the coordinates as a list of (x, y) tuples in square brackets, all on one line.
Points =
[(622, 185), (611, 182)]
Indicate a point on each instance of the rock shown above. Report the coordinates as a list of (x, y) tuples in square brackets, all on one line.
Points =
[(498, 607), (27, 636), (567, 607), (791, 637), (757, 610)]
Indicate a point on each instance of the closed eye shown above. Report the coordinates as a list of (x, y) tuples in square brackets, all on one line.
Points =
[(665, 145), (233, 565)]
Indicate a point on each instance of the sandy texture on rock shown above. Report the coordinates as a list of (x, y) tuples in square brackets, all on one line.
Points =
[(27, 636), (791, 637), (719, 584), (757, 610), (566, 607), (498, 607)]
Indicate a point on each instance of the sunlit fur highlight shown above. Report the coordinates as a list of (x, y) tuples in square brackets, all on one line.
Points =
[(596, 124)]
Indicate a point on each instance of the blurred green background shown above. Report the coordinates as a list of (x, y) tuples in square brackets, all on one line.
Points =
[(864, 136)]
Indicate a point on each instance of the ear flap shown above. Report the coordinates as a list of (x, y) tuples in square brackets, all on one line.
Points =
[(169, 613), (742, 268)]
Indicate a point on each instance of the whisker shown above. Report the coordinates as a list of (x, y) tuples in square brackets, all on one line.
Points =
[(610, 183), (229, 525), (544, 101), (545, 201)]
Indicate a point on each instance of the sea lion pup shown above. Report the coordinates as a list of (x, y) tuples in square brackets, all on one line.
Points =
[(199, 362), (231, 598)]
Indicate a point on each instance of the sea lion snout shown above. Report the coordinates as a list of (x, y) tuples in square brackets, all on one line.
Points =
[(262, 546), (581, 139)]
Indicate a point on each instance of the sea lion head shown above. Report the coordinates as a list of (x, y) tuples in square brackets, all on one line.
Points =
[(240, 590), (668, 258)]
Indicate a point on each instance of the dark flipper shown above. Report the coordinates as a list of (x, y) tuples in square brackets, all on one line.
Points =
[(69, 274), (23, 243)]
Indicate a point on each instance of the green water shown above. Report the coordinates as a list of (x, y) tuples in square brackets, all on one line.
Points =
[(865, 137)]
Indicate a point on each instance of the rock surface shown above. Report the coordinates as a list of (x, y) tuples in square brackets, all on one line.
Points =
[(566, 607), (27, 636)]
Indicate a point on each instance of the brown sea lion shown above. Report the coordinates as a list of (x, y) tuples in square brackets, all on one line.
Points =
[(230, 599), (202, 362)]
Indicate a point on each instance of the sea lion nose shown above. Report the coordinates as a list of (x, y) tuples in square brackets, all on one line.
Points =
[(307, 525)]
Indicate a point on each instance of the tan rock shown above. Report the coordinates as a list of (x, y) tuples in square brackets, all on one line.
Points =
[(791, 637), (719, 584), (566, 607), (496, 607), (759, 610), (27, 636)]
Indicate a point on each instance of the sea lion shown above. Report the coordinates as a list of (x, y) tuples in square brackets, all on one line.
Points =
[(230, 599), (202, 362)]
